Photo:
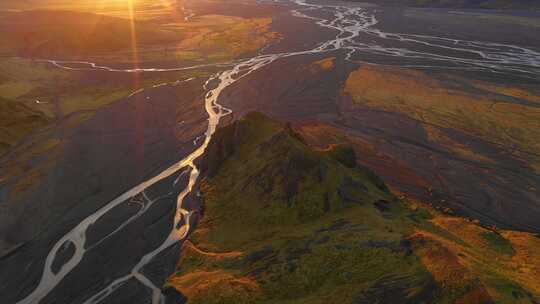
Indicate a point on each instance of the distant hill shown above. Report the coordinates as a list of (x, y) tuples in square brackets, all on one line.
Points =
[(484, 4)]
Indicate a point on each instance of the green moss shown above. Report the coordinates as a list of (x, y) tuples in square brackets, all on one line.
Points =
[(342, 269), (344, 154), (91, 99), (274, 180), (509, 291), (498, 243), (437, 230)]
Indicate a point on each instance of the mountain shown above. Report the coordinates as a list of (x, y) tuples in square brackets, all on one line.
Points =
[(285, 223)]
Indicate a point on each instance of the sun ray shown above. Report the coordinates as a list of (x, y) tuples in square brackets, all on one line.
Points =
[(133, 30)]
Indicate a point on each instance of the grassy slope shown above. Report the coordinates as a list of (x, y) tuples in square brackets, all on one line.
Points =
[(16, 121), (287, 224), (487, 113)]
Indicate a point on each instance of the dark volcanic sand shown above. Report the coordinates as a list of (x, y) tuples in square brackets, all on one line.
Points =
[(462, 24), (497, 194), (121, 146)]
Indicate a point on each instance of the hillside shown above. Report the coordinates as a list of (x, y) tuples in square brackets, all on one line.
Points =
[(16, 121), (46, 34), (284, 223)]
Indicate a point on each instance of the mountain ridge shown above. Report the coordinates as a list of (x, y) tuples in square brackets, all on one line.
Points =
[(283, 222)]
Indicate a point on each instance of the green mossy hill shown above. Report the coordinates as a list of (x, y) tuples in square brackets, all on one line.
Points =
[(284, 223), (498, 243), (17, 121), (257, 158), (287, 224)]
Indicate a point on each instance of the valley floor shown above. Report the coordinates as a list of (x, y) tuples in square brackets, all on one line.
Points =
[(443, 105)]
